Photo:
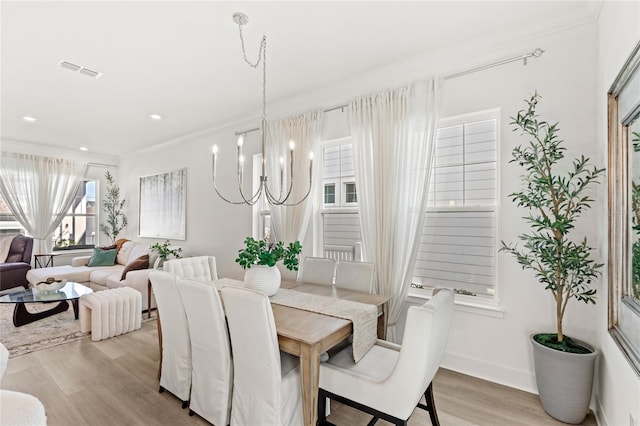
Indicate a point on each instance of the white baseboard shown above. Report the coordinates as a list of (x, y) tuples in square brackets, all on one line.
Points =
[(601, 418), (491, 372)]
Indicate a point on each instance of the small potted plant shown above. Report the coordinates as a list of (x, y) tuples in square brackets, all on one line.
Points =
[(164, 250), (259, 259), (563, 265)]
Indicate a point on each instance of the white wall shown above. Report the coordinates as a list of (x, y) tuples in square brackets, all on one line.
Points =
[(617, 391)]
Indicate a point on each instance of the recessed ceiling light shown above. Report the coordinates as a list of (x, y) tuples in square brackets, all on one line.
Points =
[(155, 116), (29, 118), (84, 148)]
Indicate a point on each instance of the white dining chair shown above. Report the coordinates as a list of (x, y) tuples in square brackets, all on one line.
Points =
[(266, 382), (17, 408), (389, 381), (212, 373), (175, 375), (357, 276), (198, 268), (317, 270)]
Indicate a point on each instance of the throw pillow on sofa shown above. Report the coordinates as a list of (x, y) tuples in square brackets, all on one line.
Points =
[(140, 263), (103, 257)]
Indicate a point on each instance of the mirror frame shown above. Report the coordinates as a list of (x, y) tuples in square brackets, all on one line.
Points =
[(623, 110)]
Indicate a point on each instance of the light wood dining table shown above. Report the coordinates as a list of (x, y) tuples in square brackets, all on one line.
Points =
[(307, 334)]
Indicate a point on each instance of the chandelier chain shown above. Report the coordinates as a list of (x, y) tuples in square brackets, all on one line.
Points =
[(263, 193), (262, 58)]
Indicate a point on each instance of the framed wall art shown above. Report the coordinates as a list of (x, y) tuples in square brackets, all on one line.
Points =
[(163, 205)]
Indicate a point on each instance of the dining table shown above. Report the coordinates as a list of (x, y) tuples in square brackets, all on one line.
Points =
[(308, 334)]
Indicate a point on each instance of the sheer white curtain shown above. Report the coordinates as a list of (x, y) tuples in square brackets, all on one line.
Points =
[(290, 223), (393, 143), (39, 191)]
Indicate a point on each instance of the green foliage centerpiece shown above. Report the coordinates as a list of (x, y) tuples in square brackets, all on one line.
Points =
[(262, 253), (555, 200), (259, 258)]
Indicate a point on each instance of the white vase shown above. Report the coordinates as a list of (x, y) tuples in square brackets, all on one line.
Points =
[(262, 278)]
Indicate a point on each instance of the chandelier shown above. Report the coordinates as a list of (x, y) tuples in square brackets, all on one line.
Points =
[(263, 191)]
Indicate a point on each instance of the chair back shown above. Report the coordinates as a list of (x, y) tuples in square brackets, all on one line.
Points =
[(317, 270), (423, 344), (198, 268), (176, 345), (212, 376), (357, 276), (256, 357), (20, 250)]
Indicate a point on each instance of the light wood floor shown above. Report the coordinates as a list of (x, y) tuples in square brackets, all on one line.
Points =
[(113, 382)]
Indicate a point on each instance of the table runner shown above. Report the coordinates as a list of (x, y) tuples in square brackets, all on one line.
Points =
[(363, 316)]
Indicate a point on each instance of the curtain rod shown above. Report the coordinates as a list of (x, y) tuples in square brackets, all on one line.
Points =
[(536, 53)]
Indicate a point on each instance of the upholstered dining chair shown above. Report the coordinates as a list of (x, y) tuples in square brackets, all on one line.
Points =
[(197, 268), (212, 374), (266, 382), (389, 381), (175, 375), (317, 270), (357, 276), (17, 408)]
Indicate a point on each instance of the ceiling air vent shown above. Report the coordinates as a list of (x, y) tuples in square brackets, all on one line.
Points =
[(79, 69)]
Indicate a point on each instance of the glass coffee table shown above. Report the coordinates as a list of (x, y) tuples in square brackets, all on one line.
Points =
[(70, 292)]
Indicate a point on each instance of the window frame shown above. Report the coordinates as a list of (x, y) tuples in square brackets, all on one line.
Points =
[(73, 215), (492, 304)]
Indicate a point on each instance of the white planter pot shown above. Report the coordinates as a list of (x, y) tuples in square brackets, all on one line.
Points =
[(564, 380), (265, 279)]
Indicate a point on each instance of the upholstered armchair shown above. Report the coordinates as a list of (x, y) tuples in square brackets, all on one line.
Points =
[(13, 271)]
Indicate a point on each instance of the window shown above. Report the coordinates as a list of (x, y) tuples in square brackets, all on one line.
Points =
[(458, 246), (329, 193), (79, 227), (340, 233), (8, 222), (351, 197), (338, 175)]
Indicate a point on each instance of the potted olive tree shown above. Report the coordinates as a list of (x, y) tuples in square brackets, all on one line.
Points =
[(259, 259), (563, 265)]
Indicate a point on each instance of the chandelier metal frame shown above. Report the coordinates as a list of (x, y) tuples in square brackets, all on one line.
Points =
[(263, 188)]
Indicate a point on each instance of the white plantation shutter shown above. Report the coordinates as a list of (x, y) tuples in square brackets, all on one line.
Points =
[(458, 246)]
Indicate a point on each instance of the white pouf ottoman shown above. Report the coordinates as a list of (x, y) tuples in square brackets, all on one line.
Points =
[(110, 312)]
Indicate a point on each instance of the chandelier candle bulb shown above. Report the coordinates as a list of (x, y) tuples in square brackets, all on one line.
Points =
[(310, 164), (214, 151)]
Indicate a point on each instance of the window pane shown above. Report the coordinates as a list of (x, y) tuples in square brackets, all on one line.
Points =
[(457, 251), (330, 194), (350, 192), (79, 227)]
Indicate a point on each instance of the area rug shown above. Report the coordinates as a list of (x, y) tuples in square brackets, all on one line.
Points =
[(45, 333)]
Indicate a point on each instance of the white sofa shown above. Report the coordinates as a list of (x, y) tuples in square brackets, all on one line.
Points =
[(103, 277)]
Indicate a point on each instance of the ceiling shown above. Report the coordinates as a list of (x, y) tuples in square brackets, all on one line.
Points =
[(183, 59)]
